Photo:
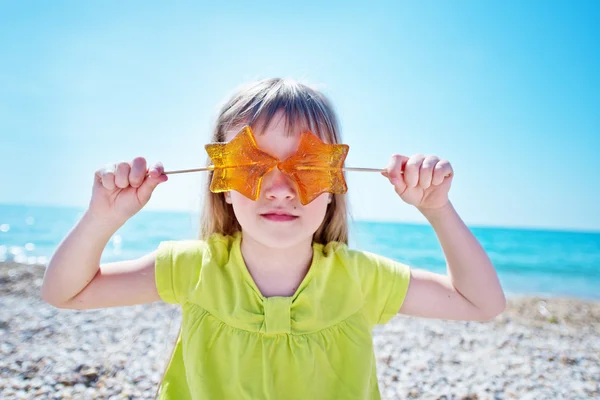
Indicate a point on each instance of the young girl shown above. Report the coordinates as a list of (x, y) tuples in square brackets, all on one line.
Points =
[(274, 303)]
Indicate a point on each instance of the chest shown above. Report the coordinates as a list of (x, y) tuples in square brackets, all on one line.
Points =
[(272, 286), (274, 366)]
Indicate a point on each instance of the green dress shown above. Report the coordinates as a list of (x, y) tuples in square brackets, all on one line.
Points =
[(235, 343)]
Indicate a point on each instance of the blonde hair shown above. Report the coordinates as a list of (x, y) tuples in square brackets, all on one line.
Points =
[(255, 104)]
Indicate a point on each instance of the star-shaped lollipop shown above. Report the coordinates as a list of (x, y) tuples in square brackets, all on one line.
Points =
[(240, 165), (316, 167)]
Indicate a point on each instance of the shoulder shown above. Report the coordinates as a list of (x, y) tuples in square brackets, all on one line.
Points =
[(359, 263), (215, 245), (179, 264), (341, 252)]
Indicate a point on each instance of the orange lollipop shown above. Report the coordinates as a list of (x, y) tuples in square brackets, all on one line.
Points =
[(316, 168), (239, 165)]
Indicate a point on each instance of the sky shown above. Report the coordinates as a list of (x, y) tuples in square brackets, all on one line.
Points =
[(507, 91)]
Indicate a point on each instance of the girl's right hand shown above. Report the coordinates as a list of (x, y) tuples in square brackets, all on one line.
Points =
[(121, 190)]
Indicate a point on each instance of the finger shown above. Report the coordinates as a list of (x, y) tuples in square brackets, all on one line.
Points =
[(122, 175), (411, 171), (394, 169), (426, 171), (442, 170), (106, 176), (155, 178), (138, 172), (157, 170)]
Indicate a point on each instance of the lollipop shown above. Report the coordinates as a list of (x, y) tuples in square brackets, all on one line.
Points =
[(239, 165), (315, 168)]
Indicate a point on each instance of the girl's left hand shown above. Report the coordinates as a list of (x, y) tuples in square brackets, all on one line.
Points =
[(425, 182)]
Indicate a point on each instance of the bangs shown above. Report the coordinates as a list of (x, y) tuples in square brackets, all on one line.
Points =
[(303, 107)]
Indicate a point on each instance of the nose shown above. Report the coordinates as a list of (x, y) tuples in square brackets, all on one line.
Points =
[(277, 185)]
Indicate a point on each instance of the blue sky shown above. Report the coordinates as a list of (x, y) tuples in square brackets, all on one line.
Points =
[(507, 91)]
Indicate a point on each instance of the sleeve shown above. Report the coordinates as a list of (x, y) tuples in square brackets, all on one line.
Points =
[(177, 269), (384, 283)]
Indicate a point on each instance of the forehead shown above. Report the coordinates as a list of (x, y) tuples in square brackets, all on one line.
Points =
[(274, 138)]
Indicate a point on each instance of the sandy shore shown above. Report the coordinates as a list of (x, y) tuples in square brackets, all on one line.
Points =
[(538, 349)]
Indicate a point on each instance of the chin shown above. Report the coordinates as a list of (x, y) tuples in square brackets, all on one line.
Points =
[(283, 238)]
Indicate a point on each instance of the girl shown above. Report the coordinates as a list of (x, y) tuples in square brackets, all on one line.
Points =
[(274, 303)]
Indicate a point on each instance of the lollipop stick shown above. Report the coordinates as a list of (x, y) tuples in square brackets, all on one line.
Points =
[(364, 169), (210, 168), (184, 171)]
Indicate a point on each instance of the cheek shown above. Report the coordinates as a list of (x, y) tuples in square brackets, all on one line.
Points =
[(240, 202), (318, 207), (244, 209)]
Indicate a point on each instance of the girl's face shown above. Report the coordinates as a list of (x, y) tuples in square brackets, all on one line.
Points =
[(277, 195)]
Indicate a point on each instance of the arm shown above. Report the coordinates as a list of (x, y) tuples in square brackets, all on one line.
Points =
[(75, 279), (470, 291)]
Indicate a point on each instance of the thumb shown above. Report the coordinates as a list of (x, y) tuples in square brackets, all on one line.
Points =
[(153, 179)]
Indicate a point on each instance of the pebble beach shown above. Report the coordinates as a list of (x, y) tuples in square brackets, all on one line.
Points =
[(539, 348)]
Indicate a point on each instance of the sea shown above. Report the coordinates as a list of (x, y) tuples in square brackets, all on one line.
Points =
[(551, 263)]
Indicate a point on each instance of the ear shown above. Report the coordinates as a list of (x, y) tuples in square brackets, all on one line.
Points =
[(330, 199), (227, 197)]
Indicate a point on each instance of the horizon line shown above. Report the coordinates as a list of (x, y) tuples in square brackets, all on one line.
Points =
[(350, 218)]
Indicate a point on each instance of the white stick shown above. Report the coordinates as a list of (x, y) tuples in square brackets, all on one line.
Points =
[(210, 168)]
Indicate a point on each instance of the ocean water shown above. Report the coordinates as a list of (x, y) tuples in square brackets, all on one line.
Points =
[(529, 262)]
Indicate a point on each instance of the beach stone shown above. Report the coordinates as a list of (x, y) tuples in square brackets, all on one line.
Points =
[(121, 352), (21, 394)]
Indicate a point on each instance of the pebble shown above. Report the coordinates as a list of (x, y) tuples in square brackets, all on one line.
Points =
[(121, 353)]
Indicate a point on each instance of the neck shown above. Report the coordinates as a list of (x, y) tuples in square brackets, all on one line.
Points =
[(277, 271)]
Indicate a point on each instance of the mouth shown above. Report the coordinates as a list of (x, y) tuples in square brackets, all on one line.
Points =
[(280, 217)]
